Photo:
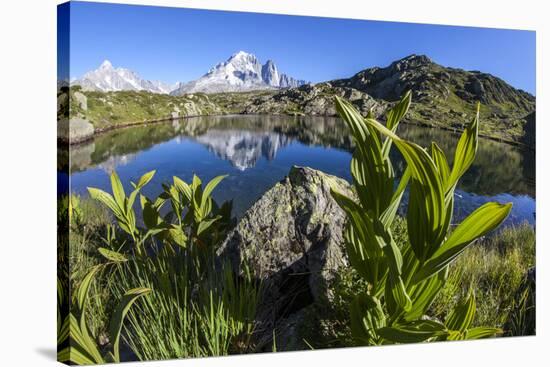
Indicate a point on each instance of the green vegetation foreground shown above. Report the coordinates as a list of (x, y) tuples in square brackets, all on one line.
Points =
[(157, 290)]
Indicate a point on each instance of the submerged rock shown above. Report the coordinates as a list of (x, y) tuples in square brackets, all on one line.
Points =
[(291, 240)]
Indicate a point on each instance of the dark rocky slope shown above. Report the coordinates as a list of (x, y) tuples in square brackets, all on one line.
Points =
[(442, 97)]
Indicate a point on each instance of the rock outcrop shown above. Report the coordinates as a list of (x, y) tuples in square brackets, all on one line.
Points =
[(291, 240), (81, 100), (313, 100), (430, 81), (442, 97), (74, 130)]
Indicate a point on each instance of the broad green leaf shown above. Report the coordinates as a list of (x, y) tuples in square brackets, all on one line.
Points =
[(205, 224), (196, 183), (196, 186), (184, 188), (144, 180), (175, 201), (64, 355), (82, 297), (372, 173), (79, 358), (367, 316), (106, 199), (131, 200), (125, 226), (423, 295), (131, 220), (373, 182), (461, 317), (366, 267), (397, 112), (207, 193), (83, 288), (483, 220), (427, 211), (362, 225), (112, 255), (82, 345), (118, 190), (441, 163), (482, 332), (395, 288), (63, 332), (364, 247), (115, 326), (153, 232), (413, 332), (150, 214), (177, 235), (465, 151), (174, 195), (388, 215), (393, 118)]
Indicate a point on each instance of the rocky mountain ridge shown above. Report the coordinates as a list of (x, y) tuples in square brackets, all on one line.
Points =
[(107, 78), (442, 97), (427, 80), (241, 72)]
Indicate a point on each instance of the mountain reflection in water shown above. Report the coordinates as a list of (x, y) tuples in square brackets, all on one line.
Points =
[(243, 148), (258, 151)]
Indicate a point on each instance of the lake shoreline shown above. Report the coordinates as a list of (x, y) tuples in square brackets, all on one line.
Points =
[(99, 131)]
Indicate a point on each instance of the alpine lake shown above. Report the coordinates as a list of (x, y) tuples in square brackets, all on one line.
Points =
[(257, 151)]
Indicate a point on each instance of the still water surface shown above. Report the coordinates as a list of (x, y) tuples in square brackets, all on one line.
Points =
[(258, 151)]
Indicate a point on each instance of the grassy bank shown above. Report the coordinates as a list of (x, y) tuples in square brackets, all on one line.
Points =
[(495, 269), (117, 108), (108, 110)]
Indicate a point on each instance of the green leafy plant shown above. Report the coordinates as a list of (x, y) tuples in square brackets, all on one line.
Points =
[(194, 219), (122, 207), (199, 220), (75, 211), (199, 306), (82, 348), (404, 281)]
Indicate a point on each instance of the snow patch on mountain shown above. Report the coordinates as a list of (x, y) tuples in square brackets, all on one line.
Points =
[(107, 78), (241, 72)]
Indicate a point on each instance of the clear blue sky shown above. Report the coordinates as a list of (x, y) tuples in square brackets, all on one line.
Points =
[(174, 44)]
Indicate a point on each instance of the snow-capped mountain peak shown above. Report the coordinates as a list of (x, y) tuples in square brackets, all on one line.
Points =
[(106, 64), (240, 72), (107, 78), (270, 74), (243, 55)]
